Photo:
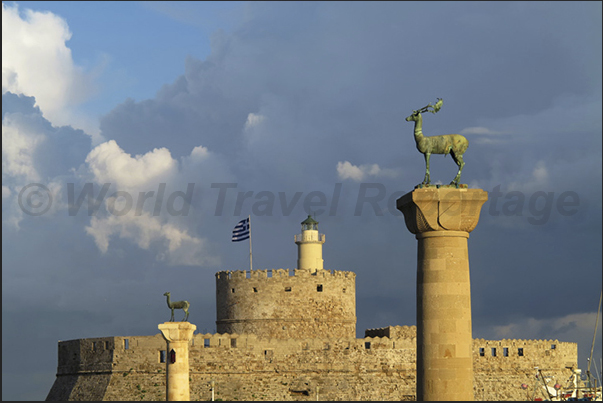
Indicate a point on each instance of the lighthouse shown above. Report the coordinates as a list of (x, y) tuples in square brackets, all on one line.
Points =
[(309, 246)]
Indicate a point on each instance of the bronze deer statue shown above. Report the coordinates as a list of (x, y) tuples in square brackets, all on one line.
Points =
[(453, 144), (184, 305)]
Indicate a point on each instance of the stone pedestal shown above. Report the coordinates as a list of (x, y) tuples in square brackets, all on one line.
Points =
[(441, 219), (177, 335)]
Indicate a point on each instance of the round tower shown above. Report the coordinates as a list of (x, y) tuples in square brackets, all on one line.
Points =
[(309, 246), (305, 303)]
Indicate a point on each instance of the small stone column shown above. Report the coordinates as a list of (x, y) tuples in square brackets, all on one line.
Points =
[(177, 335), (441, 219)]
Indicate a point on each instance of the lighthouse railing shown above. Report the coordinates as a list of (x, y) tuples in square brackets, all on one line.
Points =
[(310, 237)]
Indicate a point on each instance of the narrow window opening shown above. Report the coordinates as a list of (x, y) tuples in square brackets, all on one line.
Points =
[(287, 289), (344, 290), (106, 345), (255, 289), (482, 352), (233, 343), (493, 352), (367, 345), (505, 352), (162, 355), (232, 290), (94, 345), (205, 343), (520, 352), (319, 288), (553, 346), (126, 344), (393, 344)]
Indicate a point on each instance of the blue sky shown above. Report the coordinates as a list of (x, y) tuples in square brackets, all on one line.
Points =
[(296, 101), (133, 42)]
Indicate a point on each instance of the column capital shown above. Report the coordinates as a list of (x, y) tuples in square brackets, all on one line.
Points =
[(441, 209), (177, 331)]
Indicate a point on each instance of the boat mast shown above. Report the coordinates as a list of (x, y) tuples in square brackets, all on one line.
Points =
[(592, 346)]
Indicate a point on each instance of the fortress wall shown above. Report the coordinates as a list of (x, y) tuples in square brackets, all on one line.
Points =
[(252, 368), (285, 303), (84, 369), (276, 369), (516, 369), (393, 332), (82, 355), (542, 353), (89, 386)]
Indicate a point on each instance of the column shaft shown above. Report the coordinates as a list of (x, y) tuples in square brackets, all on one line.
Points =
[(441, 218), (444, 340), (177, 335)]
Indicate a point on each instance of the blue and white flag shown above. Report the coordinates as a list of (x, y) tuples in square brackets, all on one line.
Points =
[(241, 231)]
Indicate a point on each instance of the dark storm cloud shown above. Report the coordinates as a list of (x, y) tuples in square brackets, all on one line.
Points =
[(62, 147), (333, 82), (336, 80)]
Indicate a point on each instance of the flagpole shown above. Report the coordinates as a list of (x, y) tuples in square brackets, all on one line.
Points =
[(250, 254)]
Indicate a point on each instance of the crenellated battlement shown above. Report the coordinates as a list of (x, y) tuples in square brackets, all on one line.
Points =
[(393, 332), (280, 273), (287, 303), (146, 354)]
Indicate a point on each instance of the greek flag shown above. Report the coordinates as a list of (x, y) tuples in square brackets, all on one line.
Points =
[(241, 231)]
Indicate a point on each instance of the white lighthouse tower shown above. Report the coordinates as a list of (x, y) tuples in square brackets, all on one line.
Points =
[(309, 246)]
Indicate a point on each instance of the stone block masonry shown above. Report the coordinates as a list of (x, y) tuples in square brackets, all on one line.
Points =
[(246, 367), (287, 303)]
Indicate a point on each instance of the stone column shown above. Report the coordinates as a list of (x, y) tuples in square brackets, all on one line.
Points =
[(441, 219), (177, 335)]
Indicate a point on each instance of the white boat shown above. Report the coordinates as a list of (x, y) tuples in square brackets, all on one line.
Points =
[(574, 389)]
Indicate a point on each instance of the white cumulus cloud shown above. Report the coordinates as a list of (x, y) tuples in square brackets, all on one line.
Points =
[(479, 130), (36, 62), (253, 120), (346, 170), (128, 215), (174, 244), (110, 164)]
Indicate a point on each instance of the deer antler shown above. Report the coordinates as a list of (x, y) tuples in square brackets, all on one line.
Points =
[(435, 107)]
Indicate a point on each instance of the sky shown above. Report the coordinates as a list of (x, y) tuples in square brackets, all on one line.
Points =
[(135, 135)]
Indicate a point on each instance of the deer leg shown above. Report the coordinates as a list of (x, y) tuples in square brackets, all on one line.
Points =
[(459, 161), (185, 316), (172, 318), (427, 180)]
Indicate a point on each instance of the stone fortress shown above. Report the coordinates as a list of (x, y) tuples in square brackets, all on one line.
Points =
[(291, 335)]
